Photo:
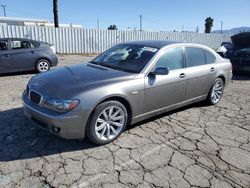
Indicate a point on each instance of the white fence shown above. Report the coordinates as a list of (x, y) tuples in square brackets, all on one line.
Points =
[(78, 40)]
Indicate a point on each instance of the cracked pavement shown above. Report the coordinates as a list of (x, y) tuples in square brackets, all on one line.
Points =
[(195, 146)]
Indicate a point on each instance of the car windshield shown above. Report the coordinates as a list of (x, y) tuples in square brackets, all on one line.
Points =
[(126, 57)]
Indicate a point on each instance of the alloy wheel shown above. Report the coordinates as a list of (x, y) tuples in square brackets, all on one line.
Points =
[(109, 123), (217, 91), (43, 66)]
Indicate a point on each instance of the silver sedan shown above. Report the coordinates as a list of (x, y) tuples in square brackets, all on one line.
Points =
[(126, 84)]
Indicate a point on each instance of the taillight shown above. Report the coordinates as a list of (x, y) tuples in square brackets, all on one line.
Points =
[(53, 49)]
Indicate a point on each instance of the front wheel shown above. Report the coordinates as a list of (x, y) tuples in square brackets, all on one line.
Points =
[(216, 92), (42, 65), (107, 122)]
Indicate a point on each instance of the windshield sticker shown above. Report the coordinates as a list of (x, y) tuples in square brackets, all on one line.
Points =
[(150, 49)]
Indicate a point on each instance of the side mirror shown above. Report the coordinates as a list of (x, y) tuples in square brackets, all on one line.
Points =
[(160, 71)]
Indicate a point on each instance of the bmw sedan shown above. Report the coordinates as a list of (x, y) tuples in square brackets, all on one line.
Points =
[(124, 85), (18, 54)]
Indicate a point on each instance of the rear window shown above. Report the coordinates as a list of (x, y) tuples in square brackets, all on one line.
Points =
[(195, 56), (209, 57), (35, 44)]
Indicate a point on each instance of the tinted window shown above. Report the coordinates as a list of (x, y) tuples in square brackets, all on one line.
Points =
[(3, 45), (195, 57), (209, 57), (172, 59), (17, 44)]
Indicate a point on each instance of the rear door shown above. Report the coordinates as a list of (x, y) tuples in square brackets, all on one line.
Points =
[(4, 56), (200, 69), (22, 55)]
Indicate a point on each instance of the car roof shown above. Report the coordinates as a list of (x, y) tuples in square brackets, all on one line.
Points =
[(154, 43), (15, 39)]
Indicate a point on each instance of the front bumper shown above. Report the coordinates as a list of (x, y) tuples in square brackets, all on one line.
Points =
[(69, 125)]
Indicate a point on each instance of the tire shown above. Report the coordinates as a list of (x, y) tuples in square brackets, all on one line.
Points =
[(107, 122), (216, 92), (42, 65)]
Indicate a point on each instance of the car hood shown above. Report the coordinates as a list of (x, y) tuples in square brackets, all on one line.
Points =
[(68, 81)]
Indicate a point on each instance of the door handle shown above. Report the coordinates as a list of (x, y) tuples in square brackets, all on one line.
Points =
[(182, 75), (212, 69), (32, 51)]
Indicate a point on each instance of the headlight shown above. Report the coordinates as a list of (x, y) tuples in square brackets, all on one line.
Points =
[(60, 105)]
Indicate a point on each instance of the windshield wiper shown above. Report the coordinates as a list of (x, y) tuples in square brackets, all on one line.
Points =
[(112, 67), (94, 62), (109, 66)]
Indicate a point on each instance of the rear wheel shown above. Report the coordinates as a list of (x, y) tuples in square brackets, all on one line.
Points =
[(216, 92), (107, 122), (42, 65)]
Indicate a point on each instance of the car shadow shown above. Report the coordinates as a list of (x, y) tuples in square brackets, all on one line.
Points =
[(20, 139), (17, 73), (194, 105)]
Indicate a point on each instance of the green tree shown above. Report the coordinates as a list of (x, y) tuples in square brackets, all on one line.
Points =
[(55, 12), (112, 27), (208, 24)]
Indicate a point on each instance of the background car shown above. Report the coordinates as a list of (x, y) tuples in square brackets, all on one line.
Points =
[(18, 54), (124, 85), (238, 52), (229, 50)]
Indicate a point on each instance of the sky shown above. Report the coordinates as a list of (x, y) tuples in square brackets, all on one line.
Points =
[(157, 15)]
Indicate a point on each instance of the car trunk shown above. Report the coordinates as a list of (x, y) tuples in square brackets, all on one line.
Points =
[(241, 40), (241, 58)]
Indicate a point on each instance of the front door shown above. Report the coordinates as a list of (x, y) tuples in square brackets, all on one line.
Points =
[(4, 57), (22, 55), (166, 90)]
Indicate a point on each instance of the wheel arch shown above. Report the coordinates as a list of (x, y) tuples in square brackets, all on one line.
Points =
[(222, 77), (42, 58), (118, 98)]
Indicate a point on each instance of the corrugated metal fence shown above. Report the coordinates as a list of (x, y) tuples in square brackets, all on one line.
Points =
[(78, 40)]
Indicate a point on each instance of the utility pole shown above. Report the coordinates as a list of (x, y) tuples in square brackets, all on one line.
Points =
[(197, 29), (98, 23), (4, 11), (55, 11), (221, 27), (140, 22)]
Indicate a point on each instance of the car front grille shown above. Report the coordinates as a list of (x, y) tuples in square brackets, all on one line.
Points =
[(35, 97)]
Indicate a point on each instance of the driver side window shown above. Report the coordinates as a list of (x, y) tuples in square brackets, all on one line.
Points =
[(172, 59)]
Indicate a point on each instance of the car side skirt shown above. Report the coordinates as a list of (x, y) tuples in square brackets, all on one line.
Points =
[(167, 109)]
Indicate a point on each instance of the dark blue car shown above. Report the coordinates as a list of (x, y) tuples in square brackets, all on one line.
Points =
[(239, 52), (17, 54)]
